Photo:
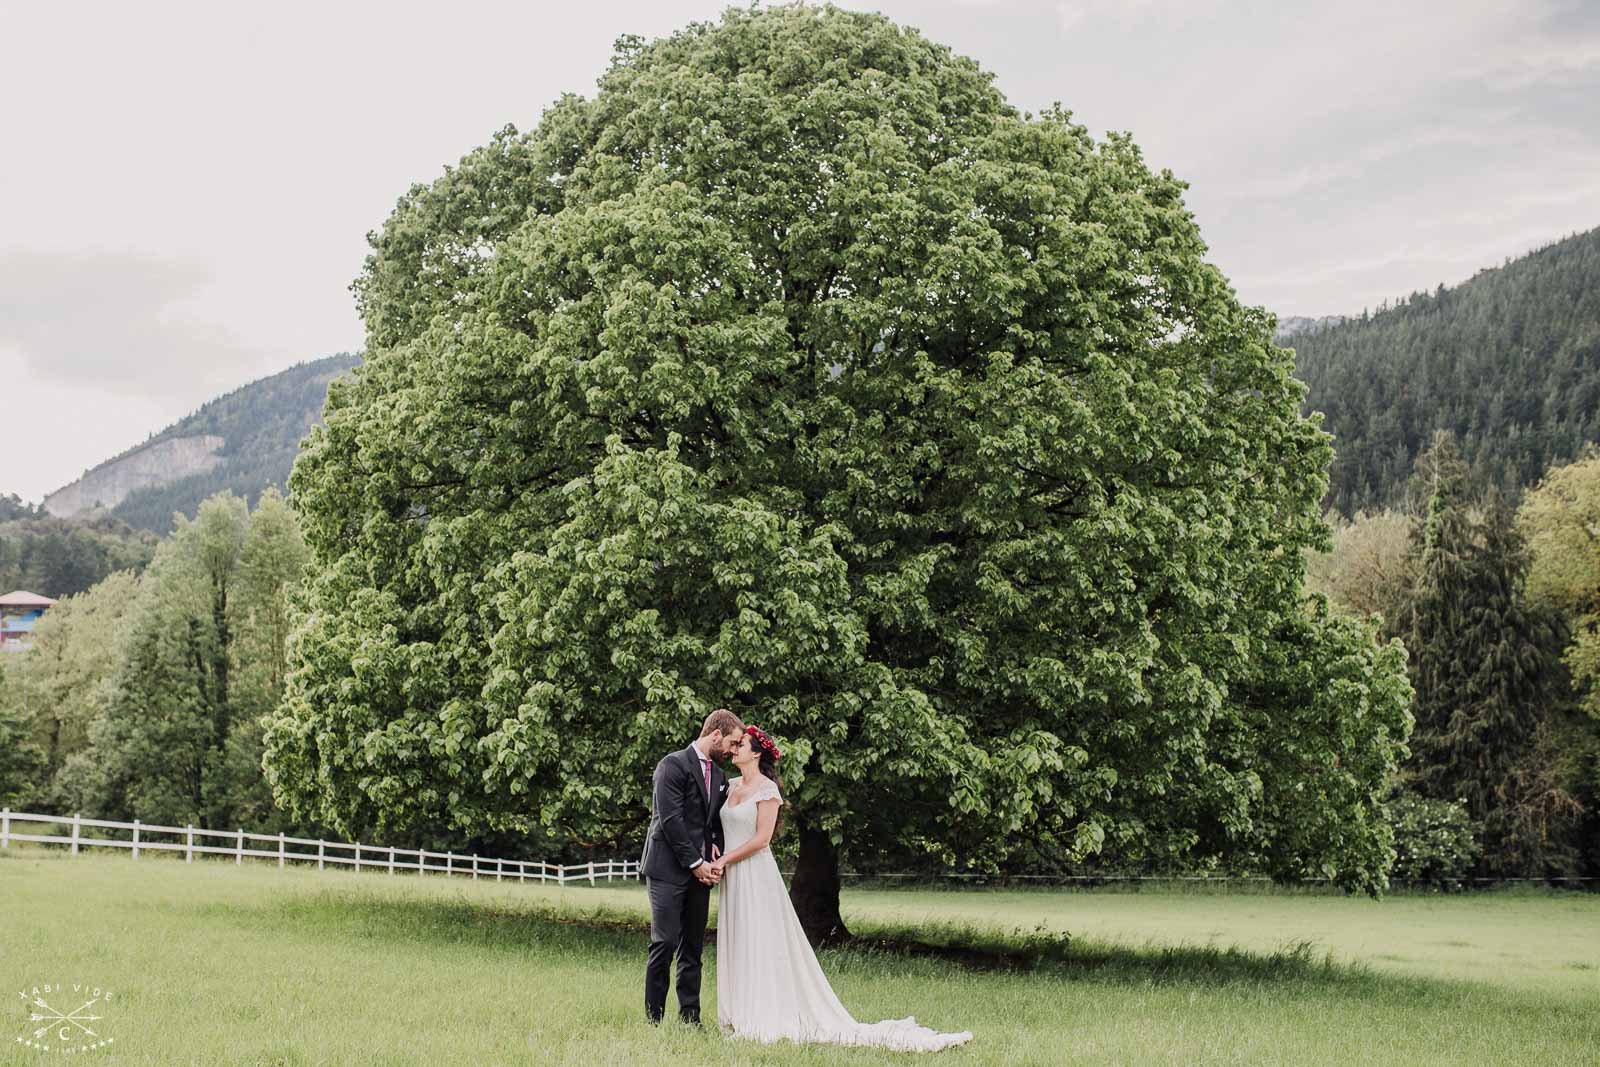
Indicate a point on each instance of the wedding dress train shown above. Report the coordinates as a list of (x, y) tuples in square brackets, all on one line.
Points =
[(769, 984)]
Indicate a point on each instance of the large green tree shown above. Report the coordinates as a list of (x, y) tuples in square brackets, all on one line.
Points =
[(202, 660), (1561, 520), (798, 372)]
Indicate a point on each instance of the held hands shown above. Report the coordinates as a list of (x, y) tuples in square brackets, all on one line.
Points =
[(710, 873)]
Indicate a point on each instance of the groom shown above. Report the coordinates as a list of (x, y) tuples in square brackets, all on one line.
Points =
[(685, 836)]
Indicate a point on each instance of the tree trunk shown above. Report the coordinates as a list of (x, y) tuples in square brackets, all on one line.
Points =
[(815, 888)]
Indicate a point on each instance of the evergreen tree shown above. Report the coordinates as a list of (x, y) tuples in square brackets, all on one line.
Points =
[(1436, 612), (1483, 657)]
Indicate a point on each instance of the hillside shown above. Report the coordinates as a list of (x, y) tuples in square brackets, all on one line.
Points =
[(245, 441), (1292, 325), (1509, 361)]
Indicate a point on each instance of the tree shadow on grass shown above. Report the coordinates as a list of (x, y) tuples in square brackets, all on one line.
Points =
[(1043, 950), (571, 927)]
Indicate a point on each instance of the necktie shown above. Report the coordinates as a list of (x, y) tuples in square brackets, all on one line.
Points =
[(705, 765)]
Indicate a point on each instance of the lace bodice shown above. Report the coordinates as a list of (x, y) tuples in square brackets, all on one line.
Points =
[(739, 820)]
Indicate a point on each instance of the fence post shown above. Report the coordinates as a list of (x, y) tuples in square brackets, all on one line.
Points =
[(358, 857), (280, 850), (136, 839), (5, 827), (474, 866), (391, 859), (591, 872), (188, 844), (449, 863), (499, 866), (322, 848), (238, 849), (76, 817)]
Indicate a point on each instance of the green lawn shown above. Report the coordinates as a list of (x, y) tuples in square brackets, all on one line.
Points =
[(213, 964)]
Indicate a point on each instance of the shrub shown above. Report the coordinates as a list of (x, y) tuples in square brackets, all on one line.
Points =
[(1434, 840)]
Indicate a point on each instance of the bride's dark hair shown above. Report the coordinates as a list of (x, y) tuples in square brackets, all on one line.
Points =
[(767, 763), (769, 769)]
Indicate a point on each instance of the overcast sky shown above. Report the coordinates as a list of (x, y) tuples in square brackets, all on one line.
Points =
[(186, 188)]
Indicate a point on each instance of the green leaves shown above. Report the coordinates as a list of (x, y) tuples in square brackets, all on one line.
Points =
[(796, 372)]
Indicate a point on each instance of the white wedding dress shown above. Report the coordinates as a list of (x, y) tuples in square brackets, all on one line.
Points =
[(769, 985)]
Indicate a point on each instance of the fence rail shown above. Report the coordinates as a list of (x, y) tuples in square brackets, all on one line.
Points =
[(416, 861), (337, 853)]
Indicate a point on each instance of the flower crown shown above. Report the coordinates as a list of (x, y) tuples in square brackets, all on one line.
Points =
[(764, 742)]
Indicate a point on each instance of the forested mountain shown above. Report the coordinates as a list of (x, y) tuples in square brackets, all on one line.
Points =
[(1292, 325), (1509, 361), (245, 441)]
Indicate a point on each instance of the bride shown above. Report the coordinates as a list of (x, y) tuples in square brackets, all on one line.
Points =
[(769, 985)]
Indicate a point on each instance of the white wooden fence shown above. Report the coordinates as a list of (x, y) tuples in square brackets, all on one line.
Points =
[(350, 854)]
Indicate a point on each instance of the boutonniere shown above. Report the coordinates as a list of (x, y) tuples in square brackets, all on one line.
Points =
[(722, 787)]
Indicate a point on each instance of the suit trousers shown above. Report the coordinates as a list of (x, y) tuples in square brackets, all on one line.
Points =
[(677, 925)]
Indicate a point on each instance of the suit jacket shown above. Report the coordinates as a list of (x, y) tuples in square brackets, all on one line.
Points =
[(683, 826)]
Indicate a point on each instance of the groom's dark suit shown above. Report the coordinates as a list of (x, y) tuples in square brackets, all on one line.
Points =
[(685, 821)]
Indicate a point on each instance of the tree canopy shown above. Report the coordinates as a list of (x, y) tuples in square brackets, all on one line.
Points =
[(798, 372)]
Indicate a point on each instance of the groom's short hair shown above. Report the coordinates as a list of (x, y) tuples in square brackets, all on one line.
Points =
[(724, 720)]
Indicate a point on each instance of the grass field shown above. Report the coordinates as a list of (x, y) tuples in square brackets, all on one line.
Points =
[(218, 964)]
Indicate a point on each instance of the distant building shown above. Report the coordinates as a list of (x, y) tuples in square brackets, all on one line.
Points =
[(19, 612)]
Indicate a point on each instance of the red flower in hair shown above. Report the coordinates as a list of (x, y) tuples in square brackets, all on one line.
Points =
[(763, 742)]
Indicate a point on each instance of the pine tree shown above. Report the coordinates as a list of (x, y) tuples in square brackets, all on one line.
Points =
[(1483, 657), (1438, 608), (1511, 650)]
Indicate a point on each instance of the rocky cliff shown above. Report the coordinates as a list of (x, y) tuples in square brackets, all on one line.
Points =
[(154, 464)]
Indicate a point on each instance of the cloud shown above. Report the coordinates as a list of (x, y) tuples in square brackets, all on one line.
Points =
[(1343, 154), (1338, 154), (117, 321), (1130, 13)]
